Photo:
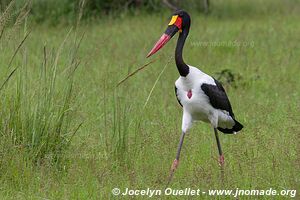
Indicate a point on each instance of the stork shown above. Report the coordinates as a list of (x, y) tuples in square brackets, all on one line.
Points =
[(201, 96)]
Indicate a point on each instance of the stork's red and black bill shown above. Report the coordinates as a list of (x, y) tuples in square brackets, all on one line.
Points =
[(159, 44), (174, 26)]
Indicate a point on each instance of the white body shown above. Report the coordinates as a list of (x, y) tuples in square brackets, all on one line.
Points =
[(198, 107)]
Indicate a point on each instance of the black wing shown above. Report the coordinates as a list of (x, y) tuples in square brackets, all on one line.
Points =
[(217, 96), (219, 100), (177, 96)]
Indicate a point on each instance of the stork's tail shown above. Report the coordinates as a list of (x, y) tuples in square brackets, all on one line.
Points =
[(236, 128)]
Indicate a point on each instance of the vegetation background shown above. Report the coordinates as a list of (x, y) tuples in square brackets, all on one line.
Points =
[(67, 131), (55, 11)]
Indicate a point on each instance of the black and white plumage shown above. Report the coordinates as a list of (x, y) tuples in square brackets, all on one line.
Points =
[(201, 96), (207, 102)]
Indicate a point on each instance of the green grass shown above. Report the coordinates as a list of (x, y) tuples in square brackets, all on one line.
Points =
[(120, 143)]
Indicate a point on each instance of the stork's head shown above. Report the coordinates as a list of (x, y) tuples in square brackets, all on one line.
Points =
[(180, 21)]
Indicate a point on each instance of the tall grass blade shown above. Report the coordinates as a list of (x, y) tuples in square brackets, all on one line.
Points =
[(135, 71), (7, 79), (17, 49), (156, 81)]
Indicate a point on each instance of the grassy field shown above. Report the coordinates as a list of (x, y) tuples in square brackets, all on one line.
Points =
[(67, 131)]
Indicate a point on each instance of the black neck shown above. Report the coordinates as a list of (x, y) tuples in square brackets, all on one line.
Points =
[(181, 66)]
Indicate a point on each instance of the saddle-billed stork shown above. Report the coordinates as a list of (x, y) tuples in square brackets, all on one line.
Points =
[(201, 96)]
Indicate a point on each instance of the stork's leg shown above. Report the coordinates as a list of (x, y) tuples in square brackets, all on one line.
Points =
[(221, 156), (176, 161), (186, 125)]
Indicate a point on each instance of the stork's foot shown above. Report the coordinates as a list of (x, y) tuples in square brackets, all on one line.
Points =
[(175, 165), (221, 160), (173, 168)]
